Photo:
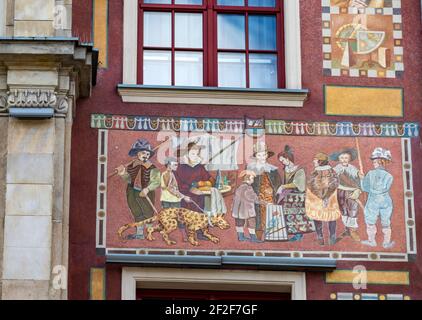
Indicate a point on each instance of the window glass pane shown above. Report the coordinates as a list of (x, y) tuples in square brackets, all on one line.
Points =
[(231, 70), (157, 29), (231, 2), (261, 3), (263, 71), (231, 31), (188, 68), (188, 2), (157, 67), (158, 1), (262, 33), (188, 30)]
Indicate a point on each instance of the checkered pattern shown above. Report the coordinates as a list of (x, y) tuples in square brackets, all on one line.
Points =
[(332, 66)]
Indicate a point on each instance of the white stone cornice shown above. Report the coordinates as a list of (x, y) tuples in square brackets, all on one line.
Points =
[(47, 73), (292, 36), (213, 96)]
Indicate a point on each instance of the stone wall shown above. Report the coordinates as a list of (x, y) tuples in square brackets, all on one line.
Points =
[(37, 75), (41, 18)]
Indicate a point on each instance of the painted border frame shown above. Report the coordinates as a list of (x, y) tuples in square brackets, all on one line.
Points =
[(101, 219), (396, 13)]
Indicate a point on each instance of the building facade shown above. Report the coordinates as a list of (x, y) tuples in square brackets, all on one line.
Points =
[(208, 148)]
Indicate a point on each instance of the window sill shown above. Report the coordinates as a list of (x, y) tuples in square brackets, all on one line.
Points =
[(213, 96)]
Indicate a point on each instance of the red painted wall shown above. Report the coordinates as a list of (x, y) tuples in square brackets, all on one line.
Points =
[(106, 100)]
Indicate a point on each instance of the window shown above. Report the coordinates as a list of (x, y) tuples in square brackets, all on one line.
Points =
[(173, 48), (224, 43)]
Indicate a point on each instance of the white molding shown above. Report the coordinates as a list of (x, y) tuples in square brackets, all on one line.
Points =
[(130, 41), (214, 279), (214, 96), (293, 63)]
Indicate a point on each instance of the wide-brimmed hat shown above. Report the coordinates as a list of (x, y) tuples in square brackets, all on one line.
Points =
[(262, 147), (141, 145), (381, 153), (350, 151), (321, 156)]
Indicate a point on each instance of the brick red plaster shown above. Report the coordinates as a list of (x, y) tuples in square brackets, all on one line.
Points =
[(106, 100)]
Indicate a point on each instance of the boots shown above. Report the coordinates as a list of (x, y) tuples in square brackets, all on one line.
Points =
[(387, 243), (372, 232), (241, 237), (296, 237), (320, 235), (332, 226), (333, 240), (255, 239)]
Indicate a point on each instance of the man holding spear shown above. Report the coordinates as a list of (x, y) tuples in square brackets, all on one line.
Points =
[(142, 178)]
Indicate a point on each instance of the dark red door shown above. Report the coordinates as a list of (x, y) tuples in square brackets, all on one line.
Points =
[(173, 294)]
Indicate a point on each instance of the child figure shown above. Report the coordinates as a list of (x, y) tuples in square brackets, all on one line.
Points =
[(377, 183), (244, 207)]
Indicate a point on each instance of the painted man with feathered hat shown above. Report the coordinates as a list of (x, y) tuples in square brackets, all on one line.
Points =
[(142, 178), (377, 183)]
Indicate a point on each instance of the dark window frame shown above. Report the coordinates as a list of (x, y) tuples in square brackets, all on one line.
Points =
[(210, 10)]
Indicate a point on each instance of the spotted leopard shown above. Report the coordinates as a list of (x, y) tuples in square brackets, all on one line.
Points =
[(167, 221)]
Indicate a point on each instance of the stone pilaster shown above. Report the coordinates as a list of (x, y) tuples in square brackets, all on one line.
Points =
[(35, 162)]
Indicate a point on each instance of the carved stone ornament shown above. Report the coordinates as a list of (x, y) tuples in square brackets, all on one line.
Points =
[(3, 103), (31, 98), (62, 105)]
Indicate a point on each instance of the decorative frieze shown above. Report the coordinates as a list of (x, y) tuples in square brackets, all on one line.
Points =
[(34, 98), (272, 127), (3, 102)]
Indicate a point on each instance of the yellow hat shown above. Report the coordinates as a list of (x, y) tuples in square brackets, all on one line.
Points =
[(321, 156)]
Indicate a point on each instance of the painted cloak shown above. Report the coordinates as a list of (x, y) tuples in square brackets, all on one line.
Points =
[(321, 195)]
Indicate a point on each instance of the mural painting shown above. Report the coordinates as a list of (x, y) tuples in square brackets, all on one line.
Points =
[(362, 38), (260, 187)]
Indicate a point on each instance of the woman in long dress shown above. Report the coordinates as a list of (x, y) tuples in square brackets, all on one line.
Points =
[(292, 194)]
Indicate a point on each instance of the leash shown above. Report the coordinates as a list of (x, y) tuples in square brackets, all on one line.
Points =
[(204, 212), (197, 205)]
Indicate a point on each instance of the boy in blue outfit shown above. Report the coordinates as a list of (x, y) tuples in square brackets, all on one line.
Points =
[(377, 183)]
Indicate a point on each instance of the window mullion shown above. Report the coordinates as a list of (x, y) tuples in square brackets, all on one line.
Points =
[(173, 43), (212, 46), (247, 49)]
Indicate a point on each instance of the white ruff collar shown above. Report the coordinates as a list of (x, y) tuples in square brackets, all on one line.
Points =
[(322, 168)]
